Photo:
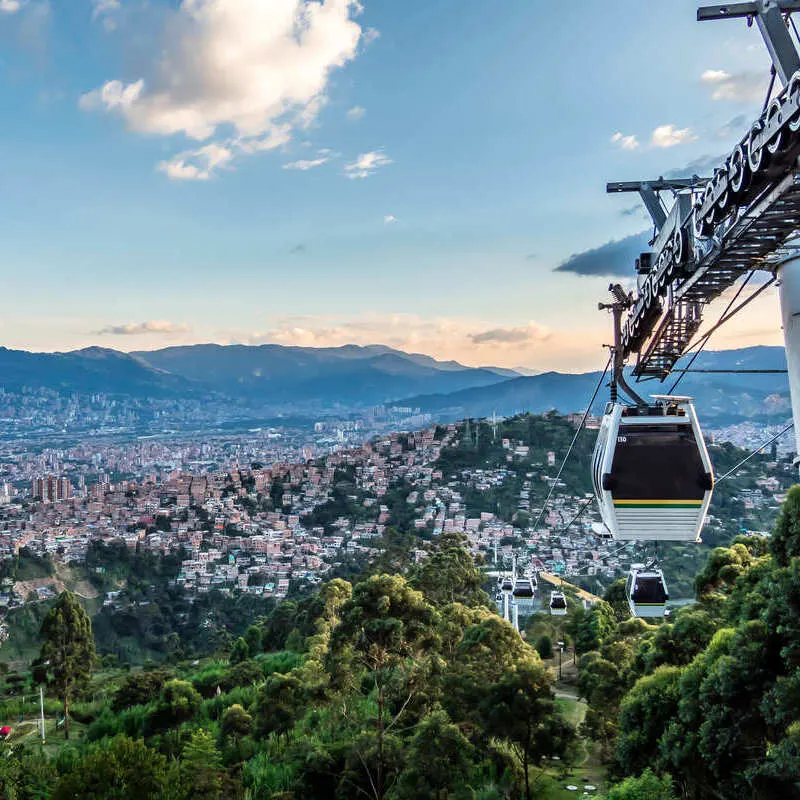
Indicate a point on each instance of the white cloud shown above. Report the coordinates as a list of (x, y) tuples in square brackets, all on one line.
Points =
[(106, 10), (389, 219), (625, 142), (113, 95), (715, 76), (669, 136), (197, 165), (306, 164), (745, 87), (370, 35), (366, 164), (11, 6), (139, 328), (260, 69), (100, 7), (511, 336), (356, 112)]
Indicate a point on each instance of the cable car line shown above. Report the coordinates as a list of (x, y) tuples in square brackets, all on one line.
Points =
[(707, 336), (727, 315), (583, 508), (755, 452), (651, 470), (572, 443), (737, 371)]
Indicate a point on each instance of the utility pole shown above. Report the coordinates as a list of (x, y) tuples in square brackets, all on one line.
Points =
[(622, 302), (41, 710), (560, 652)]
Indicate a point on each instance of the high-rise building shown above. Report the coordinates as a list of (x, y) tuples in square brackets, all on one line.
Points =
[(51, 489)]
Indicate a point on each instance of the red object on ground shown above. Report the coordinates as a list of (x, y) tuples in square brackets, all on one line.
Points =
[(5, 730)]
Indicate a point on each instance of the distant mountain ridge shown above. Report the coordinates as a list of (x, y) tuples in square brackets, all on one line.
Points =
[(348, 375), (717, 395), (351, 377), (93, 369)]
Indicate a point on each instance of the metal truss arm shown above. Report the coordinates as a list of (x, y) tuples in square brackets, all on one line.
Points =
[(768, 15), (648, 191)]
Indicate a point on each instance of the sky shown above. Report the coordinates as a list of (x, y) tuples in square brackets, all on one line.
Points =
[(424, 174)]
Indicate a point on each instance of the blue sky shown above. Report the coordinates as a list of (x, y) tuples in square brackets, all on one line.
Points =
[(409, 173)]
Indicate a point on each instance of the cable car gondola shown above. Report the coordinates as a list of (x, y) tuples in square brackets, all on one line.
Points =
[(507, 585), (646, 591), (523, 589), (651, 471), (558, 604)]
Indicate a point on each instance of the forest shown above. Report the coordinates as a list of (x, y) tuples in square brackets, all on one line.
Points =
[(410, 685)]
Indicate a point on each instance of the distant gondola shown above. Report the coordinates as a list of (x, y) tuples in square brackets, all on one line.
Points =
[(507, 585), (646, 591), (558, 604), (651, 471), (523, 589)]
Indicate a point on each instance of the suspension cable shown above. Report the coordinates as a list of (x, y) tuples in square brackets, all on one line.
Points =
[(726, 315), (572, 443), (583, 508), (729, 315), (754, 453)]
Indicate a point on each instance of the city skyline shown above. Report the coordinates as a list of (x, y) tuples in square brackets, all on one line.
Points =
[(325, 174)]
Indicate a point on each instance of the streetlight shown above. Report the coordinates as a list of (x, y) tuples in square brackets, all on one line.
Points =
[(560, 651)]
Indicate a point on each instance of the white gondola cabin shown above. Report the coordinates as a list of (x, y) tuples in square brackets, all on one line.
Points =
[(651, 471), (523, 589), (507, 585), (558, 604), (646, 591)]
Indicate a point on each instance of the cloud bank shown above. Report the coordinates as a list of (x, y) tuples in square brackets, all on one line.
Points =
[(140, 328), (238, 75), (615, 258)]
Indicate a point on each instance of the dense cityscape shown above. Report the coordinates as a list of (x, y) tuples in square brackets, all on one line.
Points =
[(250, 513)]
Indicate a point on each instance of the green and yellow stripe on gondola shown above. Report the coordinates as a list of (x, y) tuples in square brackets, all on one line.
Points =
[(658, 503)]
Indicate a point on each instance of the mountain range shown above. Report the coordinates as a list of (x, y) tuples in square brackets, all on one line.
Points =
[(351, 377)]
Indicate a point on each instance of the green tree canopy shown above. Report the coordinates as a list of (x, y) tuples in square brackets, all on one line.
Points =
[(119, 770), (68, 652)]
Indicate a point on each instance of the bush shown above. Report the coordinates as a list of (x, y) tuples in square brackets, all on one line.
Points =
[(139, 688), (179, 702)]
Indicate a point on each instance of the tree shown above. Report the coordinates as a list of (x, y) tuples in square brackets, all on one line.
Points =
[(594, 627), (648, 786), (438, 760), (201, 767), (521, 708), (236, 722), (67, 650), (179, 702), (122, 769), (679, 641), (280, 702), (785, 540), (253, 638), (544, 647), (240, 651), (386, 628), (139, 688), (489, 649), (645, 713), (616, 596), (449, 575)]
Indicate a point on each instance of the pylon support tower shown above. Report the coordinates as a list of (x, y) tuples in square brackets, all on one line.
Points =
[(788, 274)]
